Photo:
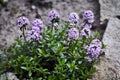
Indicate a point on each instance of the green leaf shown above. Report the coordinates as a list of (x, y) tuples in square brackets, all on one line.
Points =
[(24, 68), (103, 45), (96, 34), (30, 73)]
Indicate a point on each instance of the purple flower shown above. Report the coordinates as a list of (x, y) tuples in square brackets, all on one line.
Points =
[(34, 35), (73, 33), (37, 23), (22, 21), (97, 42), (93, 50), (36, 29), (73, 18), (88, 16), (85, 32), (86, 26), (53, 16)]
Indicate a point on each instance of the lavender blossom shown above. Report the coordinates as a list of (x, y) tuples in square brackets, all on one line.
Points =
[(97, 42), (88, 16), (93, 50), (89, 26), (37, 23), (22, 21), (73, 33), (73, 18), (36, 29), (85, 32), (34, 35), (53, 16)]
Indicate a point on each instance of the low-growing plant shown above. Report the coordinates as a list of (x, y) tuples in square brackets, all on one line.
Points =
[(58, 51)]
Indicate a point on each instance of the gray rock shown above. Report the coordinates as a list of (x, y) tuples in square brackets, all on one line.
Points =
[(33, 7), (5, 1), (8, 76), (109, 66), (109, 8), (11, 76)]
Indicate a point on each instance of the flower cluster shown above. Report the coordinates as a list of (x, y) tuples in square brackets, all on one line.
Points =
[(94, 49), (37, 23), (22, 21), (53, 17), (73, 18), (88, 16), (73, 33), (96, 42), (85, 32), (35, 33)]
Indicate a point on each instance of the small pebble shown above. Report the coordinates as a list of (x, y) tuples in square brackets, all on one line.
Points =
[(33, 7)]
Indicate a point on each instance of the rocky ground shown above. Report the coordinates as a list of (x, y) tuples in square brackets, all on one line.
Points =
[(107, 13)]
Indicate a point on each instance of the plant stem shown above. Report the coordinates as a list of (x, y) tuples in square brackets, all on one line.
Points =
[(24, 34)]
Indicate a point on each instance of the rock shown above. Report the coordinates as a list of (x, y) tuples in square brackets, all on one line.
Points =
[(8, 76), (33, 7), (42, 3), (109, 8), (5, 1), (11, 76), (109, 66)]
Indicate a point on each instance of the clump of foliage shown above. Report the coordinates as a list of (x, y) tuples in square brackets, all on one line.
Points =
[(58, 51)]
